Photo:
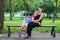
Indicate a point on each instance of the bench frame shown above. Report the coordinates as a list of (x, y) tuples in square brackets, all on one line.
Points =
[(52, 30)]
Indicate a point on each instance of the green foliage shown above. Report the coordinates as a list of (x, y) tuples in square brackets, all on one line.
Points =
[(32, 5), (48, 6)]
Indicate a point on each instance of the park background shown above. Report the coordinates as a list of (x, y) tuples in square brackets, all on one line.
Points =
[(15, 9)]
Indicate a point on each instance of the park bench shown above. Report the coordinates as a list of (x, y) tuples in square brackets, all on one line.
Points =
[(15, 25)]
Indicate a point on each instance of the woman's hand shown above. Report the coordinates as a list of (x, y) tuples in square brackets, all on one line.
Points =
[(39, 23), (36, 22)]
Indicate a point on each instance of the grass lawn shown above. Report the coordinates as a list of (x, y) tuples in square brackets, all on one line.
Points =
[(44, 29)]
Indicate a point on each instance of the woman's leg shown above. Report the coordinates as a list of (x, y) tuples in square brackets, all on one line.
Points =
[(30, 27), (22, 26), (27, 34)]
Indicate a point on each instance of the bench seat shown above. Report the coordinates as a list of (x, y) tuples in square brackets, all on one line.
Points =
[(16, 25)]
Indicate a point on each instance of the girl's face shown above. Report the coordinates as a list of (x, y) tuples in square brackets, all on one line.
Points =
[(40, 9), (35, 13)]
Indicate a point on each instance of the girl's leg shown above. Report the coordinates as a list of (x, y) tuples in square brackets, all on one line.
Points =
[(26, 26), (22, 26)]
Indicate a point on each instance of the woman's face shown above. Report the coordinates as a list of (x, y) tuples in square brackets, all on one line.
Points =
[(40, 9)]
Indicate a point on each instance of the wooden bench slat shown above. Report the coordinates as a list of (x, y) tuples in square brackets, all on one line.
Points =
[(20, 25)]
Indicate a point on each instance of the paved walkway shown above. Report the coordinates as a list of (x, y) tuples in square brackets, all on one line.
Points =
[(35, 36)]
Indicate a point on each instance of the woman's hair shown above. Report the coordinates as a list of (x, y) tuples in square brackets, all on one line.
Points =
[(40, 7)]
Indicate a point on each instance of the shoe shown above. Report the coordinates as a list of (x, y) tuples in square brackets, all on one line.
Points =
[(27, 36), (19, 35), (1, 35)]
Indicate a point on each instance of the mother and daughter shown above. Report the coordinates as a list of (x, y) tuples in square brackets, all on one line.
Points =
[(32, 22)]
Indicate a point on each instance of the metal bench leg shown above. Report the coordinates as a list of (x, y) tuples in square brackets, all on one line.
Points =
[(53, 32), (9, 32)]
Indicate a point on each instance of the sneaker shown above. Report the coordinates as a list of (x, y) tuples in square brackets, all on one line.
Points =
[(19, 35)]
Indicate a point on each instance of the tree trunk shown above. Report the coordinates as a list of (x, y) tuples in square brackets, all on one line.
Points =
[(2, 5), (13, 14), (49, 16), (55, 11), (26, 6), (10, 10)]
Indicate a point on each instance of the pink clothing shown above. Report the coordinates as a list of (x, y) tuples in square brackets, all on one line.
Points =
[(31, 16)]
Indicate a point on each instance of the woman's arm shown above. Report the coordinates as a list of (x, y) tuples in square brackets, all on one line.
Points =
[(40, 18)]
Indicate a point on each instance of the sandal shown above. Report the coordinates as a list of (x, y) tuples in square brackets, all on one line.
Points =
[(26, 36)]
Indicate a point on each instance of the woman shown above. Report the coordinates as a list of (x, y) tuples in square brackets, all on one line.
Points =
[(34, 23)]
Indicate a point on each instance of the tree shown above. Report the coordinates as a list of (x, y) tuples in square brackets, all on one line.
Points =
[(2, 5)]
